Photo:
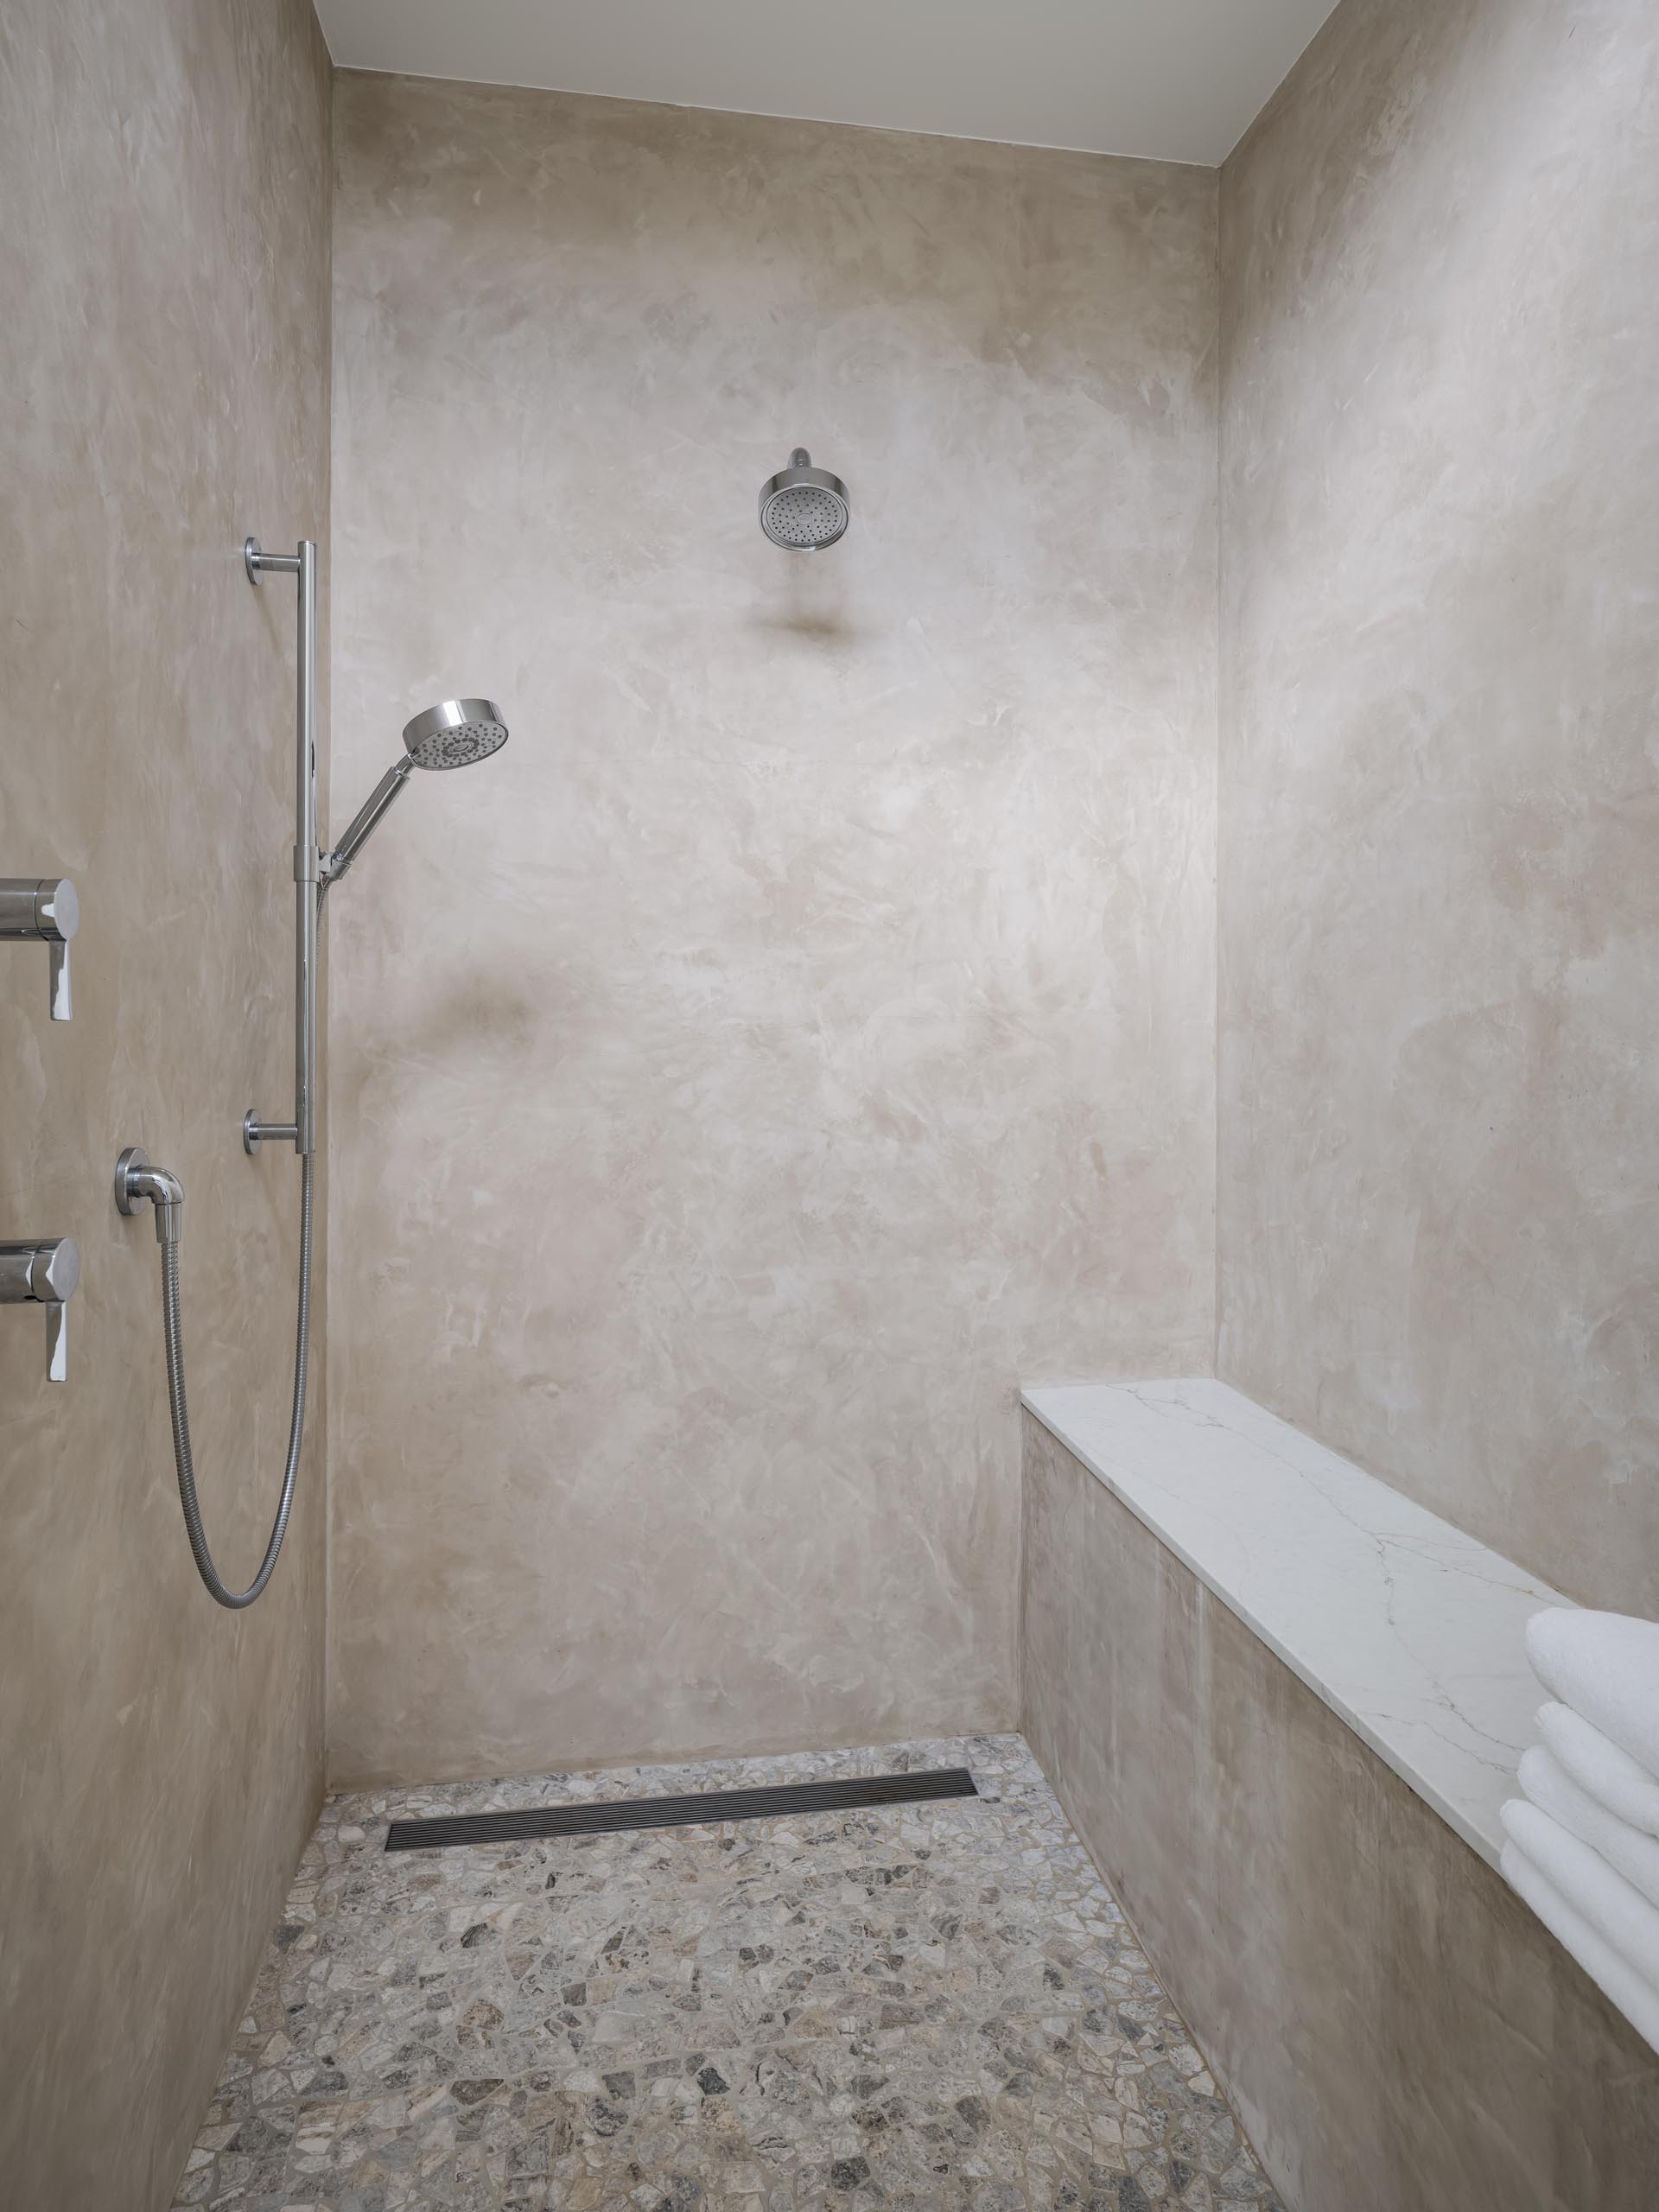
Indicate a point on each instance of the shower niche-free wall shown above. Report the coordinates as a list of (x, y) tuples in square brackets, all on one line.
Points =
[(828, 1044)]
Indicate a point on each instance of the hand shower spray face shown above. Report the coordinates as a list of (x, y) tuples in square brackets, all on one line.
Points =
[(454, 734)]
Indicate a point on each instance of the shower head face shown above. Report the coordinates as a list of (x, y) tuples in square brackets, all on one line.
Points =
[(805, 508), (455, 733)]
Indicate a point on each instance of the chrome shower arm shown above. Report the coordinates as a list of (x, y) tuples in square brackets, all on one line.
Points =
[(363, 821)]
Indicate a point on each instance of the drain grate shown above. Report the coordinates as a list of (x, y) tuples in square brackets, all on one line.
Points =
[(702, 1809)]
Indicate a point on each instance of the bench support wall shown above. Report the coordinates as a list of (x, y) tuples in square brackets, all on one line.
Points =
[(1394, 2027)]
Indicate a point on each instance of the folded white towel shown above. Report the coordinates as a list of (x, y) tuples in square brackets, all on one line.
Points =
[(1620, 1914), (1635, 2000), (1626, 1850), (1613, 1777), (1606, 1666)]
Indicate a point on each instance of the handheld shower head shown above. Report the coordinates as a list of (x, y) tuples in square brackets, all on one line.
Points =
[(452, 734), (455, 733), (805, 508)]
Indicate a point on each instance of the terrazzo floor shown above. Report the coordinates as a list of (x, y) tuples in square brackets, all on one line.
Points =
[(925, 2005)]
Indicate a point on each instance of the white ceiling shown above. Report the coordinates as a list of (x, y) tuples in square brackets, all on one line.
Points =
[(1176, 81)]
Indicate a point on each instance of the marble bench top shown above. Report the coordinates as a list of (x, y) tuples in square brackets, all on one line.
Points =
[(1406, 1628)]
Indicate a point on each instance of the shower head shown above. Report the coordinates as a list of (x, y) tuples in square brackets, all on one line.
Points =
[(803, 507), (452, 734), (455, 733)]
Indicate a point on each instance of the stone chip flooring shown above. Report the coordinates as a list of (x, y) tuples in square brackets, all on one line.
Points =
[(927, 2005)]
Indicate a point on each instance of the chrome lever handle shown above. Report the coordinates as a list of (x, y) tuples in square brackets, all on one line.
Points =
[(57, 1340), (44, 910), (44, 1271), (57, 981)]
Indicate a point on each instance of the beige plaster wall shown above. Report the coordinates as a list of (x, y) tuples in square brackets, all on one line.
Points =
[(802, 1032), (1394, 2027), (164, 390), (1439, 1222)]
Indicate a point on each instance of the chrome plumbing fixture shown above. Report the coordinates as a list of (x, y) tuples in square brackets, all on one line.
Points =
[(302, 564), (44, 910), (452, 734), (43, 1272), (448, 736), (135, 1183), (805, 508)]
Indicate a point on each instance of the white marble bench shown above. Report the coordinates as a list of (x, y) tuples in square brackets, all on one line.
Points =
[(1281, 1704), (1406, 1628)]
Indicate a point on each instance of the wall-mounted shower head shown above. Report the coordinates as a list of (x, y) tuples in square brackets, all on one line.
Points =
[(452, 734), (455, 733), (803, 507)]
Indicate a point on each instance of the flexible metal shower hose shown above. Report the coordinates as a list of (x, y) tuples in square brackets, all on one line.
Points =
[(180, 1413)]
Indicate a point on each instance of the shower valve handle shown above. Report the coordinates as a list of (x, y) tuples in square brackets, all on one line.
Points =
[(43, 1272), (44, 910)]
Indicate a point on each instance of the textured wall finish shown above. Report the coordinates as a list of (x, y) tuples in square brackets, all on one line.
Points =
[(1396, 2029), (801, 1032), (1439, 910), (164, 390)]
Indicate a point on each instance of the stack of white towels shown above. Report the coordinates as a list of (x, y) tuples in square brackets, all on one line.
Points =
[(1583, 1846)]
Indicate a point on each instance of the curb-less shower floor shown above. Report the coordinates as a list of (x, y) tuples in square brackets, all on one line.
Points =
[(935, 2005)]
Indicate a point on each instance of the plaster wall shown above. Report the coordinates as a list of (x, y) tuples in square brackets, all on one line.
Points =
[(163, 391), (1438, 1187), (802, 1032)]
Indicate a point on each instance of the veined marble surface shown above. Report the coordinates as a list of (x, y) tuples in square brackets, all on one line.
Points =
[(1406, 1628)]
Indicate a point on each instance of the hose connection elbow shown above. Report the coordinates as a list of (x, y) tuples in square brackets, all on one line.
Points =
[(136, 1181)]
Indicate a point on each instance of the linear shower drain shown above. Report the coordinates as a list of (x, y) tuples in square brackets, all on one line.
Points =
[(703, 1807)]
